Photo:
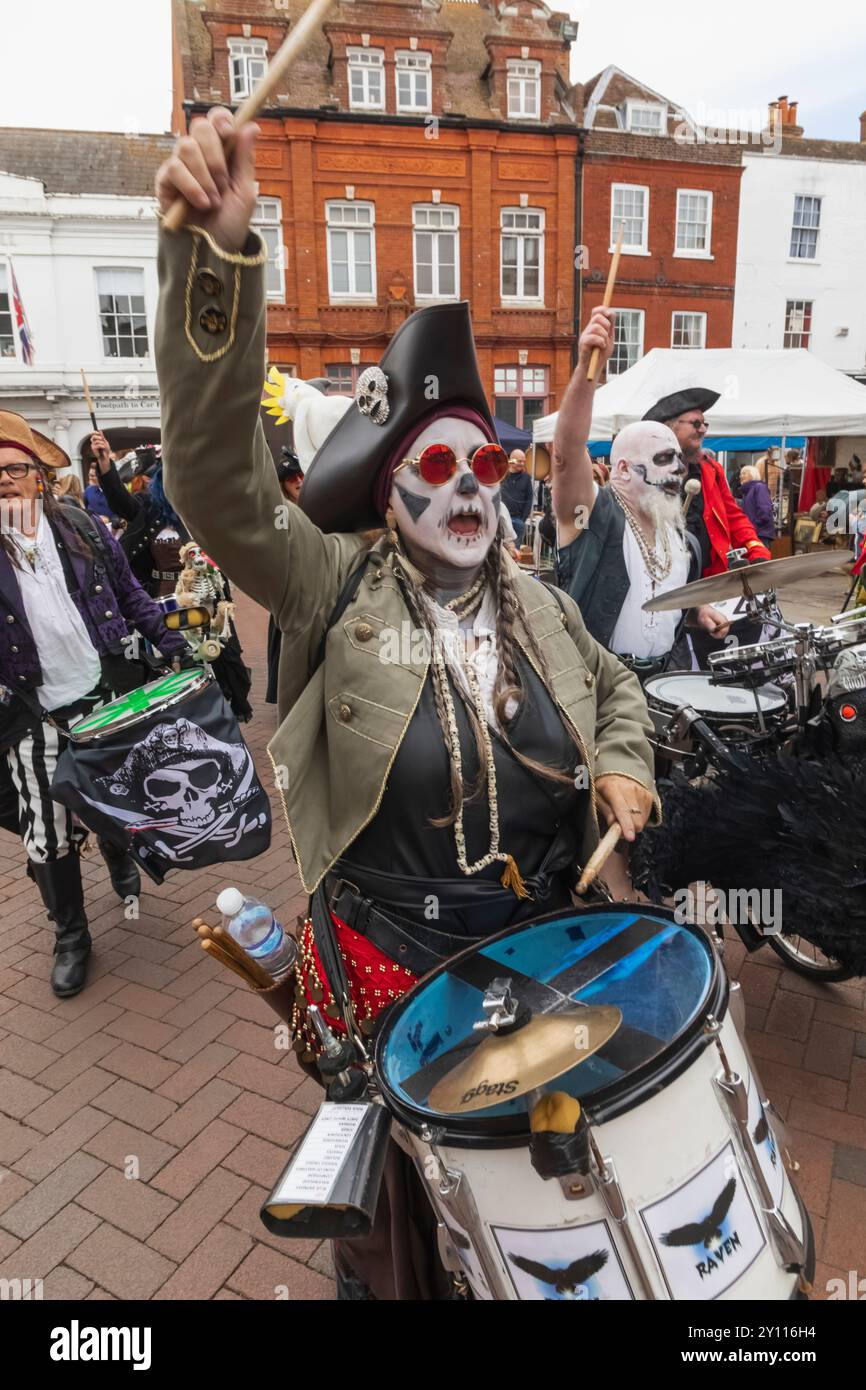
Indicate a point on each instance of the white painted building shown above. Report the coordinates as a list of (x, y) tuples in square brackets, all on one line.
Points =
[(801, 267), (78, 234)]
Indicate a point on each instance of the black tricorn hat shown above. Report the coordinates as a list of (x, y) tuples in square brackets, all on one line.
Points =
[(670, 407), (428, 369), (289, 465)]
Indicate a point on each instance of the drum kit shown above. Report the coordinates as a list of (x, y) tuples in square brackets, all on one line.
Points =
[(578, 1098), (761, 695)]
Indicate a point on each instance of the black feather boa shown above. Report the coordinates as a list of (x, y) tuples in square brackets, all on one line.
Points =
[(778, 823)]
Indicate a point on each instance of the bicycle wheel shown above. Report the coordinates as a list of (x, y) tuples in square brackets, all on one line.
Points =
[(808, 960)]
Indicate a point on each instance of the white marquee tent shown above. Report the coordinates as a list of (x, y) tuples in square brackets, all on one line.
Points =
[(763, 392)]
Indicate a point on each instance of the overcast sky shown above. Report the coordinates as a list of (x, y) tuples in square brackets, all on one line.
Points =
[(106, 64)]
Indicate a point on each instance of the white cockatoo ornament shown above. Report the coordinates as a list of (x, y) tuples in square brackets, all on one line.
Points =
[(313, 415)]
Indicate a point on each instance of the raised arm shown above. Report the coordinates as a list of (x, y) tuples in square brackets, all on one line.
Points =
[(121, 502), (210, 357), (571, 471)]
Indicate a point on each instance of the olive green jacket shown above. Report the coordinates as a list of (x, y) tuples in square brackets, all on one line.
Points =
[(341, 728)]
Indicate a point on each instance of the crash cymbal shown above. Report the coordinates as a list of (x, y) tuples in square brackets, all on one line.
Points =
[(750, 579), (505, 1065)]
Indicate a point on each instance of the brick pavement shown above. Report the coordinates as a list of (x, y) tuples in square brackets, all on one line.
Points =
[(163, 1068)]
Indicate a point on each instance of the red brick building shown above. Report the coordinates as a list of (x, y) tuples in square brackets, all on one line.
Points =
[(646, 164), (424, 150)]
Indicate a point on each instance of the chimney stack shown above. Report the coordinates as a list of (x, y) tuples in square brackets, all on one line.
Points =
[(863, 127), (782, 118)]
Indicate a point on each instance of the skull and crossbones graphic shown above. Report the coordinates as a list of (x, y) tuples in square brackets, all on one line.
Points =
[(185, 784)]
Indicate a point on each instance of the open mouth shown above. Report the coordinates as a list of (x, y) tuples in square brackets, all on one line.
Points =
[(465, 522), (672, 488)]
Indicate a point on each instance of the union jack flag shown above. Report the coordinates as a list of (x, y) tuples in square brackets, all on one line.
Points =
[(24, 334)]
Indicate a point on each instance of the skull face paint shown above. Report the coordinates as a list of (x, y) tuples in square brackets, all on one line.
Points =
[(647, 470), (453, 525)]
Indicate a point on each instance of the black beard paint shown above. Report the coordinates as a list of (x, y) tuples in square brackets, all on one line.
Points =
[(640, 469)]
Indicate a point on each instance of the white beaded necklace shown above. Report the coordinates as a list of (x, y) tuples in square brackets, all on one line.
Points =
[(658, 566)]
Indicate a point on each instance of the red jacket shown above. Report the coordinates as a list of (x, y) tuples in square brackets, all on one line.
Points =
[(727, 526)]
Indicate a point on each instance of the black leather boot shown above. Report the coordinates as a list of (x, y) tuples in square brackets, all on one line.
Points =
[(122, 869), (63, 895)]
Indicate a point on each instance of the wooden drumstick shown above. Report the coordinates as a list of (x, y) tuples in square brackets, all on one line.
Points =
[(89, 399), (598, 859), (231, 947), (608, 296), (218, 954), (296, 41)]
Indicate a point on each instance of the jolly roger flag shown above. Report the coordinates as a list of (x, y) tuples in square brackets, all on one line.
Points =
[(165, 772)]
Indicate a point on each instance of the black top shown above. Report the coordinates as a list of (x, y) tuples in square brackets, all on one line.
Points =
[(403, 859), (695, 521)]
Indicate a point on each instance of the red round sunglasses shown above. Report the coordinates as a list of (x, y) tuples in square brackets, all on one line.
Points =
[(438, 462)]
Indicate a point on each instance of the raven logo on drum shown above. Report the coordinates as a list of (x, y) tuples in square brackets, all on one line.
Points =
[(709, 1233), (185, 784), (570, 1282)]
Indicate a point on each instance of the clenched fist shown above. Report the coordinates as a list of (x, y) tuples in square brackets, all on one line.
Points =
[(213, 169), (597, 334)]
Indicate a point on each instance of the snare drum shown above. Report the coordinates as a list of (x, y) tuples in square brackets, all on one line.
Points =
[(731, 710), (688, 1203)]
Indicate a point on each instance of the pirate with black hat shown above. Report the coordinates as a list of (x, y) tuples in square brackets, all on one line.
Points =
[(437, 703), (713, 516)]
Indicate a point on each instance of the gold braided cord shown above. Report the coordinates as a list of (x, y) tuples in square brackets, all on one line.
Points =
[(187, 301)]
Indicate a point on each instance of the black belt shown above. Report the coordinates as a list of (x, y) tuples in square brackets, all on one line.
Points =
[(418, 948)]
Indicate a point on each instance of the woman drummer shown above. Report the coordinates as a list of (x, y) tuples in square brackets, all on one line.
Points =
[(445, 752)]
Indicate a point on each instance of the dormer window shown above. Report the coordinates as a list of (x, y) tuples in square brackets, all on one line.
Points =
[(524, 89), (248, 63), (645, 118), (366, 79), (413, 73)]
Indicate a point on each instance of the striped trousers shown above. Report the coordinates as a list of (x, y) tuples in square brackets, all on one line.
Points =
[(49, 830)]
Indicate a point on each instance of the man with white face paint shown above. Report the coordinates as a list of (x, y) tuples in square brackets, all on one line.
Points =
[(451, 733), (626, 544)]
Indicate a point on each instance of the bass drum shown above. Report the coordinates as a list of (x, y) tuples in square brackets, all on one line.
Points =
[(687, 1197)]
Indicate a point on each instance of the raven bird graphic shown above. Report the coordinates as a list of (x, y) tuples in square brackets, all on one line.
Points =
[(707, 1232), (568, 1280)]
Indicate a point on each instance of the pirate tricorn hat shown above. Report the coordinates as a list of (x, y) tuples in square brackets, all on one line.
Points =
[(16, 433), (429, 369), (671, 407)]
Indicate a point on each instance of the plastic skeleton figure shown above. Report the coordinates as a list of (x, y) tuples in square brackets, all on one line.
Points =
[(201, 585)]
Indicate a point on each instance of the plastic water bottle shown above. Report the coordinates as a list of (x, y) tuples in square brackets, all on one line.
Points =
[(255, 928)]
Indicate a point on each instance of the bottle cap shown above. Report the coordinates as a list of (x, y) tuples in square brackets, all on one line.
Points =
[(230, 902)]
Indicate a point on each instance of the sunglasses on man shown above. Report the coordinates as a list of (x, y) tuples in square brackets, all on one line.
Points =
[(438, 463)]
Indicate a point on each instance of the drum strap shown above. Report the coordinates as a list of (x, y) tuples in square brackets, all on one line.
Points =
[(329, 953)]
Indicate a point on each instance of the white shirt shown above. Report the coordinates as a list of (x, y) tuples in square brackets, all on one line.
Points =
[(69, 661), (477, 644), (648, 634)]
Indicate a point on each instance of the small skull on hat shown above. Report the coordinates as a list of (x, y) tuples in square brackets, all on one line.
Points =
[(371, 395)]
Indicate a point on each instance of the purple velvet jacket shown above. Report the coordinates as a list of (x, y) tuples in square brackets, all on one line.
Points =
[(110, 600), (758, 506)]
